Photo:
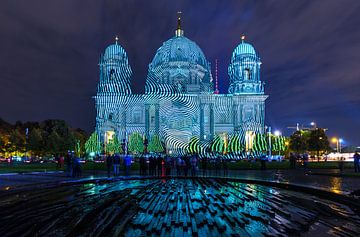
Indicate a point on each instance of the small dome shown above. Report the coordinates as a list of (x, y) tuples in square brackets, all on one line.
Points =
[(179, 48), (243, 49), (114, 51)]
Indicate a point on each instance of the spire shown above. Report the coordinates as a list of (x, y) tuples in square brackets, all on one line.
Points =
[(216, 78), (116, 39), (179, 20), (179, 31)]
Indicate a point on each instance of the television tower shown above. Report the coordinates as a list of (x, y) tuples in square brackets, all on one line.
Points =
[(216, 78)]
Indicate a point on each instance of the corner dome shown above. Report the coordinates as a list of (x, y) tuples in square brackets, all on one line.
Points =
[(114, 51), (243, 50)]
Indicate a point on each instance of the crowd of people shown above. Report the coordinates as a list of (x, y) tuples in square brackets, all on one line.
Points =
[(182, 165), (115, 161), (186, 165), (72, 165)]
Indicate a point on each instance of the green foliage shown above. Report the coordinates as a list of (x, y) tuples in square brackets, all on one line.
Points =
[(235, 144), (194, 145), (217, 144), (299, 141), (114, 146), (278, 143), (93, 144), (36, 141), (260, 143), (136, 144), (45, 138), (155, 144), (318, 141)]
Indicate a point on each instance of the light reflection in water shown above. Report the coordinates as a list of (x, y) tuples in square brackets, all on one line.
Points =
[(335, 184)]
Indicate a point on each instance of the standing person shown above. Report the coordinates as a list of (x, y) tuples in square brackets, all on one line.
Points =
[(217, 165), (186, 165), (193, 165), (77, 167), (225, 167), (116, 160), (57, 160), (109, 164), (292, 160), (68, 165), (127, 164), (61, 160), (178, 166), (356, 162), (263, 162), (159, 162), (305, 160), (204, 161), (151, 165), (168, 164)]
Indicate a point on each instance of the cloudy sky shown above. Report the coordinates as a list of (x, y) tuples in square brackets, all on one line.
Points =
[(310, 51)]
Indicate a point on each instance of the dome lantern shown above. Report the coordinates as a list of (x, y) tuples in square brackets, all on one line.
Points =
[(179, 32)]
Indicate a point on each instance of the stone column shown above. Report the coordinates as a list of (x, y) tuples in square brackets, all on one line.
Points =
[(147, 121), (202, 121), (212, 121), (157, 119), (235, 110)]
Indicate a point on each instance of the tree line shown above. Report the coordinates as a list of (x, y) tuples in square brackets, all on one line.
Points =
[(49, 137)]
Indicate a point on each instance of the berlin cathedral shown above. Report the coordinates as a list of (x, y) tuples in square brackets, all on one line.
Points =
[(180, 101)]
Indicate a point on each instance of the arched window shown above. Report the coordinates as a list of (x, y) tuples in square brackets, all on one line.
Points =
[(136, 115), (247, 74), (112, 73)]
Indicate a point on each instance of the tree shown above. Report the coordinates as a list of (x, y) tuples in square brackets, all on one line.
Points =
[(217, 144), (260, 143), (155, 144), (16, 142), (136, 144), (53, 143), (235, 145), (318, 141), (194, 145), (299, 141), (36, 142), (114, 146), (93, 144)]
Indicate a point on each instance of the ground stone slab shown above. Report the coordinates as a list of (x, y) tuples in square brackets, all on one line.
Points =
[(171, 207)]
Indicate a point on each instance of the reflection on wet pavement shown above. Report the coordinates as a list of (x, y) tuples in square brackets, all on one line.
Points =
[(196, 207)]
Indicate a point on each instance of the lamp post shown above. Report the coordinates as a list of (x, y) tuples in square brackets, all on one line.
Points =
[(269, 131), (338, 142), (277, 133)]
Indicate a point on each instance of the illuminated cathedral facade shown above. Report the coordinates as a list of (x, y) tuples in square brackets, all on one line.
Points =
[(179, 101)]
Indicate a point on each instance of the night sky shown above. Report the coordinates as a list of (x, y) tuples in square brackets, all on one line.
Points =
[(310, 50)]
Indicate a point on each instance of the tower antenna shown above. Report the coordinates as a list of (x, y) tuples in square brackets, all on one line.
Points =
[(216, 78)]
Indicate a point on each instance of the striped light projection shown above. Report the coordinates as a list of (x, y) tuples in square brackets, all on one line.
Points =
[(179, 108)]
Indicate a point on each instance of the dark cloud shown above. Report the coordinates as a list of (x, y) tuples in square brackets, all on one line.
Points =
[(310, 52)]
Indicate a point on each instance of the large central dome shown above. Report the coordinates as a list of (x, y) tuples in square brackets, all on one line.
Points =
[(179, 49), (179, 66)]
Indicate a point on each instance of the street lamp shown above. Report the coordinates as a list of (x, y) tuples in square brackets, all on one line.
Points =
[(277, 133), (313, 124), (269, 131), (338, 142)]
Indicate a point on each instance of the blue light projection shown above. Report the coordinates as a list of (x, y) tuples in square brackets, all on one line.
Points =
[(179, 104)]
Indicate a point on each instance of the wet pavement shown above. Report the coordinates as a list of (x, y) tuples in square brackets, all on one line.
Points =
[(331, 183), (171, 207)]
